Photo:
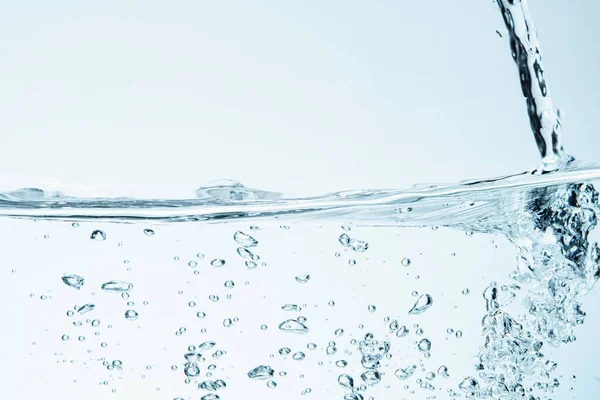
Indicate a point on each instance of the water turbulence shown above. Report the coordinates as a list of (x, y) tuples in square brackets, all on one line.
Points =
[(548, 217), (525, 50)]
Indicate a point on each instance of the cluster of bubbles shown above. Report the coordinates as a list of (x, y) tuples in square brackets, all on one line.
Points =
[(510, 364)]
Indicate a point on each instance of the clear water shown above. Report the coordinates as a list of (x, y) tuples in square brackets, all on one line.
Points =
[(473, 290)]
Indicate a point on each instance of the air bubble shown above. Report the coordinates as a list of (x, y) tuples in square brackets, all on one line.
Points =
[(303, 278), (131, 315), (217, 262), (74, 281), (244, 240), (423, 304), (98, 236)]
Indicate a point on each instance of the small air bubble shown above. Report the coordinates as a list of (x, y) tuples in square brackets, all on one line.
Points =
[(98, 235), (303, 278), (131, 315)]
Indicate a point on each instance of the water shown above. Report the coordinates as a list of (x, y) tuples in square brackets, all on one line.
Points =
[(474, 290), (525, 51)]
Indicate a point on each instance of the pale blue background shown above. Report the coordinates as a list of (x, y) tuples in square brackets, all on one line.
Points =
[(300, 97)]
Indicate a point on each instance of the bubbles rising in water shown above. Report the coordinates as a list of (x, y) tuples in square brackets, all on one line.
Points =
[(372, 351), (469, 385)]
